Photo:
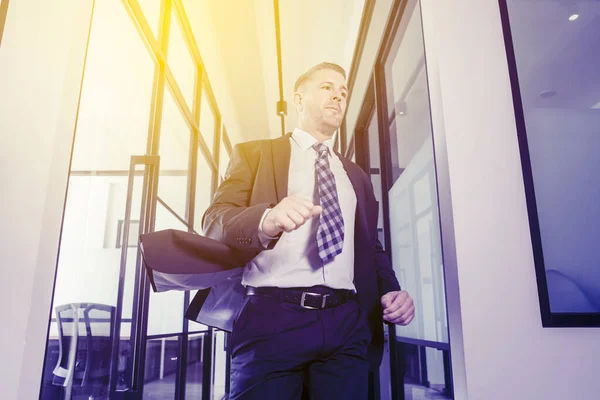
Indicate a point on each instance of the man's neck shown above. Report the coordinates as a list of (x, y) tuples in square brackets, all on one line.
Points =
[(318, 134)]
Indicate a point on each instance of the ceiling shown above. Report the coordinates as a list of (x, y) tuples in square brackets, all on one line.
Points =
[(558, 60), (312, 31)]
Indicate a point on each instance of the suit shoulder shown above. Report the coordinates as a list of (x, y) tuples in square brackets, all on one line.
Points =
[(254, 143), (253, 146), (251, 150), (355, 167)]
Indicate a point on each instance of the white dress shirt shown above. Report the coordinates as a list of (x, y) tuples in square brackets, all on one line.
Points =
[(294, 261)]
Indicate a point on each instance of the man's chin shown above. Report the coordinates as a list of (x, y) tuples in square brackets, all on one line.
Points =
[(333, 126)]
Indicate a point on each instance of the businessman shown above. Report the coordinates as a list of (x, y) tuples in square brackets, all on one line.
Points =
[(318, 284)]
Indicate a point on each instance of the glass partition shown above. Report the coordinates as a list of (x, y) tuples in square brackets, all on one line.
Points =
[(174, 157), (421, 351), (208, 122), (193, 381), (151, 10), (161, 364), (125, 108), (112, 125), (414, 223), (180, 60)]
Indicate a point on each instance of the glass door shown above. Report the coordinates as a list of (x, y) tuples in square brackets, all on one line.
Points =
[(410, 189)]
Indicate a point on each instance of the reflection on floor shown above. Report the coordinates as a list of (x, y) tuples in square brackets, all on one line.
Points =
[(161, 389), (416, 392)]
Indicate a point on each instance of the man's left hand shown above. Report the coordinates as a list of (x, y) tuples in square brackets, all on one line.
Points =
[(398, 307)]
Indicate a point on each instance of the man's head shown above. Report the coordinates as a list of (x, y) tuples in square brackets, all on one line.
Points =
[(320, 96)]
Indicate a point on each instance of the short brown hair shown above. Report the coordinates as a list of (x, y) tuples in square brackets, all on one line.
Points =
[(324, 65)]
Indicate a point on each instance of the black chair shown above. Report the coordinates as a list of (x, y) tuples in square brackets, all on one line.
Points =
[(85, 343)]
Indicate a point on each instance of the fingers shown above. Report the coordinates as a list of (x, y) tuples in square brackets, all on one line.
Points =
[(291, 213), (295, 219), (298, 217), (400, 302), (305, 207), (393, 300), (402, 320), (387, 299), (398, 308), (402, 316)]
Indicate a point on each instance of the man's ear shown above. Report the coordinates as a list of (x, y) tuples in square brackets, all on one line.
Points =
[(298, 101)]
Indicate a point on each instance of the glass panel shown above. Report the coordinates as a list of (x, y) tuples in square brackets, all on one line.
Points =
[(174, 156), (416, 246), (193, 382), (374, 159), (219, 367), (151, 10), (160, 375), (203, 199), (203, 190), (116, 94), (557, 54), (180, 61), (435, 369), (88, 269), (223, 159), (194, 326), (166, 309), (207, 121), (112, 125)]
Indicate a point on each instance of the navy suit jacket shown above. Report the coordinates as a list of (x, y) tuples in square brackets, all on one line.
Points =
[(257, 178)]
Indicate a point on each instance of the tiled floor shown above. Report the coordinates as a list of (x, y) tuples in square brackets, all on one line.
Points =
[(165, 388)]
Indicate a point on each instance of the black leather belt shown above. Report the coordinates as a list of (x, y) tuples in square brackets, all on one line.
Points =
[(304, 296)]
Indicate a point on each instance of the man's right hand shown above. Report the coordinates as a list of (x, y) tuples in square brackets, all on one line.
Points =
[(290, 214)]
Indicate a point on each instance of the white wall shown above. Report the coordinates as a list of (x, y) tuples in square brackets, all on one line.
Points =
[(507, 354), (41, 60)]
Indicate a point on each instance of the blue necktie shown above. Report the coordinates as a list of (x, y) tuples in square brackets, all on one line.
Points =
[(330, 235)]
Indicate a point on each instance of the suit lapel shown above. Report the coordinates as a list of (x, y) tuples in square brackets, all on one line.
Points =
[(354, 175), (280, 150)]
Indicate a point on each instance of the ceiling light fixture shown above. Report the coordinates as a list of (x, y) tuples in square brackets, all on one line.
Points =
[(573, 17), (546, 94)]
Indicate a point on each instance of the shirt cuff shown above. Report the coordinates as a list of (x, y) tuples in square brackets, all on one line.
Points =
[(263, 237)]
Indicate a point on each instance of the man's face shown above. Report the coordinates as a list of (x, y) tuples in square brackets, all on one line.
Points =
[(322, 101)]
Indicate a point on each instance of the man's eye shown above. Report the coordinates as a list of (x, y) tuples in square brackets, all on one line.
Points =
[(327, 87), (344, 94)]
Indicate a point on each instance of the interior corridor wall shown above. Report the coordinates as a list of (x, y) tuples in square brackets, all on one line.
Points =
[(507, 353)]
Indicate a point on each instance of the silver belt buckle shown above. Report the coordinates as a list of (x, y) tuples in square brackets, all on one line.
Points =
[(303, 298)]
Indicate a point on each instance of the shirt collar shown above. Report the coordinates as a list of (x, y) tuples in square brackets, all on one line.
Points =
[(305, 140)]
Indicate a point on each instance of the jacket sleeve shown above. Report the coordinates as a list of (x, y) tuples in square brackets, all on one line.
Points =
[(231, 219), (386, 277)]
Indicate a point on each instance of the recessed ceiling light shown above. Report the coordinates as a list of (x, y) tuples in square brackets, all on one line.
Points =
[(546, 94), (573, 17)]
